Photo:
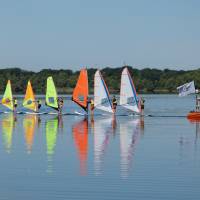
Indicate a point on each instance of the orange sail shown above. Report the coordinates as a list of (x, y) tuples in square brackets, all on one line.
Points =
[(80, 133), (29, 99), (80, 93)]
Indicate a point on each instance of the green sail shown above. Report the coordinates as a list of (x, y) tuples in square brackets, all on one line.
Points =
[(7, 97), (51, 94)]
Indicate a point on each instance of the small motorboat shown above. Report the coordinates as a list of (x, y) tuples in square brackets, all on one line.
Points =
[(194, 115)]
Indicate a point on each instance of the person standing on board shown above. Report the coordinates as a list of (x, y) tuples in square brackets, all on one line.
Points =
[(15, 104), (114, 104), (142, 105), (91, 102), (60, 105), (39, 104), (92, 106)]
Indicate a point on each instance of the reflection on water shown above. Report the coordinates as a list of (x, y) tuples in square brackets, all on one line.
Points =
[(102, 129), (8, 123), (29, 123), (129, 135), (51, 136), (80, 134), (120, 157)]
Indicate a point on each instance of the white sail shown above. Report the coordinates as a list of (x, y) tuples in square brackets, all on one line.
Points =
[(101, 94), (128, 95)]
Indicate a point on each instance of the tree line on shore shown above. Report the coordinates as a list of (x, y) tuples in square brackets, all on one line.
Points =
[(146, 80)]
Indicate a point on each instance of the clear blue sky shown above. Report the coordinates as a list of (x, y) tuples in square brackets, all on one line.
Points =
[(36, 34)]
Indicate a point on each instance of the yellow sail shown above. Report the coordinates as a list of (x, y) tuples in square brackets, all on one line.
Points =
[(51, 94), (7, 97), (7, 130), (29, 124), (29, 99)]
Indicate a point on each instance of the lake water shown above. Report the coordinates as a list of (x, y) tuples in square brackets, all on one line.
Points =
[(105, 157)]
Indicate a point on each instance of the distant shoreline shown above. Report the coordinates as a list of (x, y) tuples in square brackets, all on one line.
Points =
[(147, 81)]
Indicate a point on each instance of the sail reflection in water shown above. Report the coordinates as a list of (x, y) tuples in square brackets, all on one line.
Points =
[(8, 124), (129, 134), (102, 130), (29, 124), (80, 134), (52, 126)]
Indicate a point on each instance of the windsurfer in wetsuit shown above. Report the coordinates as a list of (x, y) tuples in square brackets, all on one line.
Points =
[(39, 104), (60, 105), (15, 104), (91, 102), (92, 106), (142, 105), (114, 104)]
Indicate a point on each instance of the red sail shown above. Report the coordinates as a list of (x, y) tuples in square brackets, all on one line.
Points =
[(80, 93)]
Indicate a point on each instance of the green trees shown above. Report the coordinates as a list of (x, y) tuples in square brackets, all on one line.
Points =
[(146, 80)]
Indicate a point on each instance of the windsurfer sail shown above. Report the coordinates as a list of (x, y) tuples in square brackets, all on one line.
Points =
[(80, 93), (29, 99), (8, 97), (101, 94), (128, 95), (51, 94)]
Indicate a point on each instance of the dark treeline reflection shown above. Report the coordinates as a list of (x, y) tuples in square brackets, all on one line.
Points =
[(90, 137)]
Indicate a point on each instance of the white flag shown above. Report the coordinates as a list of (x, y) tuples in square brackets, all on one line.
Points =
[(186, 89)]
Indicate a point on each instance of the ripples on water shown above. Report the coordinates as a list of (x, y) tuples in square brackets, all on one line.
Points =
[(105, 157)]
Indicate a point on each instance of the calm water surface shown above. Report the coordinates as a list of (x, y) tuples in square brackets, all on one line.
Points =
[(105, 157)]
